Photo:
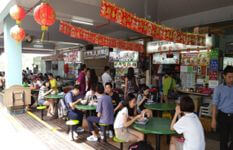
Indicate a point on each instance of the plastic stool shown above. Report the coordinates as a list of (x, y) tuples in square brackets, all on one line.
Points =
[(70, 124), (167, 115), (115, 139), (41, 108), (104, 126)]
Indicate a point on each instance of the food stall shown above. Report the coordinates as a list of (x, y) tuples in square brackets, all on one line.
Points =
[(198, 66), (122, 60), (100, 57)]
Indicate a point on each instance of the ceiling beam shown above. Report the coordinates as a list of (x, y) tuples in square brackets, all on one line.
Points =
[(202, 18)]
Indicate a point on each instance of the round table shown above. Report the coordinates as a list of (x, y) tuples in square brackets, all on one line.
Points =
[(55, 96), (86, 108), (160, 106), (157, 126)]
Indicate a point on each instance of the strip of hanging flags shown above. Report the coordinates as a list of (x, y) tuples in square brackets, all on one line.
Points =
[(83, 34), (126, 19)]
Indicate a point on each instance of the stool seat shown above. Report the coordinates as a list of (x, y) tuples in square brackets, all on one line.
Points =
[(167, 115), (72, 122), (104, 125), (115, 139), (41, 107)]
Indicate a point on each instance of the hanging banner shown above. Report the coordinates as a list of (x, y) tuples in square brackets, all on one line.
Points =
[(83, 34), (143, 26)]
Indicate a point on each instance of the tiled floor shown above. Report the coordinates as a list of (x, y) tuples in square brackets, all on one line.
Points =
[(28, 130)]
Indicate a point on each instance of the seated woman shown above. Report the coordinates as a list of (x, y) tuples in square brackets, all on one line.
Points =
[(105, 112), (91, 93), (142, 98), (44, 90), (125, 118), (189, 125)]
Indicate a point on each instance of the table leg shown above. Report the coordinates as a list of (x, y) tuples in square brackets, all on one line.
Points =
[(168, 139), (157, 137), (56, 110), (145, 138)]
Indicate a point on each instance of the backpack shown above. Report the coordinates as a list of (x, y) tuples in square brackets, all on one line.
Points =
[(142, 145), (62, 109)]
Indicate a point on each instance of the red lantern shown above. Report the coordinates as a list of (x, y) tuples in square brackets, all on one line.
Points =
[(44, 15), (17, 33), (17, 13)]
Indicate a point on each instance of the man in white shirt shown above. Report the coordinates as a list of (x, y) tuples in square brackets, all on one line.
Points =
[(189, 125), (106, 76)]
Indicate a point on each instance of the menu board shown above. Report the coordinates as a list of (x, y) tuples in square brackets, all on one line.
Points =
[(195, 59), (72, 57), (187, 79), (101, 53), (119, 64), (124, 56), (227, 61), (163, 59)]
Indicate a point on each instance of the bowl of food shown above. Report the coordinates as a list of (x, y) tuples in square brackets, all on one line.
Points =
[(53, 92), (84, 102)]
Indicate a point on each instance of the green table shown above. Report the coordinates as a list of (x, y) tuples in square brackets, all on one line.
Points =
[(86, 108), (157, 126), (56, 96), (160, 106)]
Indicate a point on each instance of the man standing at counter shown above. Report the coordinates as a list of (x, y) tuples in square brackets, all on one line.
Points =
[(223, 102)]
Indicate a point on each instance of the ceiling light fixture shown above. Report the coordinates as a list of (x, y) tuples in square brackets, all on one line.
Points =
[(82, 22)]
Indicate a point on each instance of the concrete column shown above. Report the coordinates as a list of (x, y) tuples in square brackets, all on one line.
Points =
[(13, 51)]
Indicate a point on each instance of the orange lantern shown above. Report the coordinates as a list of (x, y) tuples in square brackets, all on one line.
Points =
[(17, 33), (44, 15), (17, 13)]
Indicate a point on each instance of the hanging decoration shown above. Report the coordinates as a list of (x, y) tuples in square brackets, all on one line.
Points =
[(143, 26), (79, 33), (17, 13), (45, 16), (17, 33)]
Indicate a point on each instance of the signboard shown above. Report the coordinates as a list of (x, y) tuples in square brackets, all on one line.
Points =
[(164, 46), (227, 61), (195, 59), (162, 58), (96, 54), (124, 56), (72, 57)]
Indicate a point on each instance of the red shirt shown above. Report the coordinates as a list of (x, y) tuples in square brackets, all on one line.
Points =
[(82, 82)]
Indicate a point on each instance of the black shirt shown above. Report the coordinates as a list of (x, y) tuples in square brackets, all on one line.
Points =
[(115, 99)]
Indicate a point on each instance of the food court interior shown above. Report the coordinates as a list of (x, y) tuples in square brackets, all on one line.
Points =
[(111, 65)]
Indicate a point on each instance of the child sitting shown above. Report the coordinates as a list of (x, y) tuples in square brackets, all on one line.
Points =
[(189, 125)]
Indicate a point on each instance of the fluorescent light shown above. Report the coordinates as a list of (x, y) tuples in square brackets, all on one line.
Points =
[(184, 52), (38, 46), (82, 22)]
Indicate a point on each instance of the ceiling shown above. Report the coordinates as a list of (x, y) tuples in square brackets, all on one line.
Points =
[(155, 10)]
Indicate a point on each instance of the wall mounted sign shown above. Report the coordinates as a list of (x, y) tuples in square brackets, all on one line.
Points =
[(96, 54)]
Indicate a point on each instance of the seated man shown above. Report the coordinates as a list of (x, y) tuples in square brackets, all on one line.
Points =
[(72, 98), (115, 100), (189, 125), (105, 112), (115, 97)]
